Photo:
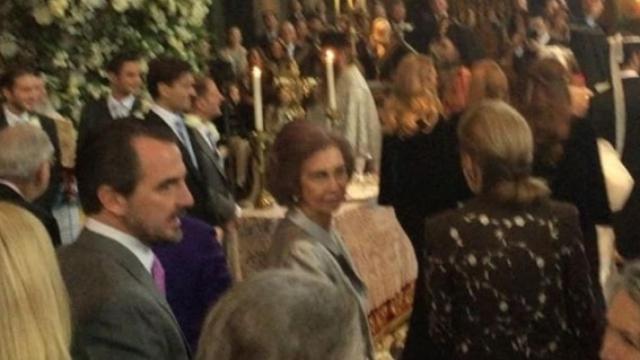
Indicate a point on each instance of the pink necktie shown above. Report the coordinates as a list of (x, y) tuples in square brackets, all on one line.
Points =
[(157, 273)]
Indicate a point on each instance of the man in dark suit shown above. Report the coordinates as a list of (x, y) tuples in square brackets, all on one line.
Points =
[(25, 170), (132, 187), (205, 108), (170, 83), (125, 81), (602, 114), (270, 31), (21, 91), (429, 24), (589, 45)]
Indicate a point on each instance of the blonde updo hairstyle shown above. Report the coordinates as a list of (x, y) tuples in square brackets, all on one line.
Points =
[(34, 315), (499, 141), (414, 102)]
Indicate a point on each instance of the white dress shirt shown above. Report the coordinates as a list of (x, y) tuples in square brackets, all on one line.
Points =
[(12, 186), (14, 119), (140, 250), (120, 108), (176, 123)]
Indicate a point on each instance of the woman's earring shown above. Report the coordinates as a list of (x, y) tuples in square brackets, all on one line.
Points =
[(295, 198)]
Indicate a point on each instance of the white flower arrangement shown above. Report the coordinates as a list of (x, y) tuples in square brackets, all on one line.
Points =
[(71, 40)]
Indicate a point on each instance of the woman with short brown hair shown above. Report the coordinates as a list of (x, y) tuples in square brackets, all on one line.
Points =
[(308, 172)]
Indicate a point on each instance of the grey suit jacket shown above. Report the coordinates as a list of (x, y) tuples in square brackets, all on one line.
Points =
[(301, 245), (118, 313), (220, 200)]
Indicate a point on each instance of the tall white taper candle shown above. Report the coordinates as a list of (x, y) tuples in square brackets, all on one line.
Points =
[(331, 79), (257, 98)]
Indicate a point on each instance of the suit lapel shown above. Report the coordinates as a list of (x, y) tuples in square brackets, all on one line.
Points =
[(128, 261), (156, 120), (205, 150), (104, 108)]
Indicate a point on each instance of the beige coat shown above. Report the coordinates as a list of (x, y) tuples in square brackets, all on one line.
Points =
[(302, 245)]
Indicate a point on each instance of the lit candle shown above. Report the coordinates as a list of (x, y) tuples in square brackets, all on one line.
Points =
[(331, 80), (257, 98)]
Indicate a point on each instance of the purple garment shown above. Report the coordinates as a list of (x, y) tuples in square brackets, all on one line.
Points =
[(196, 275)]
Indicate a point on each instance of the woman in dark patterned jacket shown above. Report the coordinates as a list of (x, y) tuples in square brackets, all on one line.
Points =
[(507, 275)]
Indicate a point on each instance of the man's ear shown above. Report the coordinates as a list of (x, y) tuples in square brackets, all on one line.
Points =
[(162, 90), (41, 179), (112, 200), (196, 103)]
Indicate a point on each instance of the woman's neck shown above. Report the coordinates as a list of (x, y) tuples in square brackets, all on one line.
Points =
[(320, 218)]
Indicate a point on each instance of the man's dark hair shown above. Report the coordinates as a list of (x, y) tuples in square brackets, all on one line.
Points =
[(165, 70), (117, 61), (13, 72), (108, 158)]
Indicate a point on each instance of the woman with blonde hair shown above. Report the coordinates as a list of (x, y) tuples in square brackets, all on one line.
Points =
[(35, 318), (510, 262), (420, 172)]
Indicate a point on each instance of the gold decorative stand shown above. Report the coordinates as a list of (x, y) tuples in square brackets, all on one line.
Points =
[(260, 142), (334, 118)]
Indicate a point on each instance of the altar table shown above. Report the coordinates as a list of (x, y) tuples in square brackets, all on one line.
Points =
[(379, 247)]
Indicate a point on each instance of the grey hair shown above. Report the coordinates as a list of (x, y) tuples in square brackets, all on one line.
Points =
[(629, 281), (24, 148), (281, 315)]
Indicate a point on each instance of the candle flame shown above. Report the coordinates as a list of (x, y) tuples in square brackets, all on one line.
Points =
[(256, 72), (330, 56)]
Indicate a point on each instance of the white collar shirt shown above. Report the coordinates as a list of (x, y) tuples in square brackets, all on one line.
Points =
[(12, 186), (14, 119), (170, 118), (120, 108), (178, 126), (141, 251)]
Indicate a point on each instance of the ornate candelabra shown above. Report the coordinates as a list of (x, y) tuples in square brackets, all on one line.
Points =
[(334, 118), (260, 142)]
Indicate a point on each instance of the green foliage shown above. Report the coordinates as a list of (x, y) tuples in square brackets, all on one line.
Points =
[(70, 40)]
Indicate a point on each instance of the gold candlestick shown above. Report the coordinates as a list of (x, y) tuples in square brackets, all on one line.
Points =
[(334, 118), (261, 141)]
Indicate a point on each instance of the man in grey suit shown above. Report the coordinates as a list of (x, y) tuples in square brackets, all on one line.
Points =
[(132, 187), (204, 108)]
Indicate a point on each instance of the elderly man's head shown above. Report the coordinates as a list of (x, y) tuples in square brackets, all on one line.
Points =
[(25, 159), (303, 317), (622, 336)]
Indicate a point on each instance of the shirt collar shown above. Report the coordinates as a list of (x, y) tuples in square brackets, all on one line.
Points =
[(139, 249), (126, 102), (13, 119), (628, 74), (169, 117), (12, 186)]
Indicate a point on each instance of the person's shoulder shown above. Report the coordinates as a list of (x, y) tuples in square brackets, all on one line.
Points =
[(562, 210), (95, 102), (287, 235)]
